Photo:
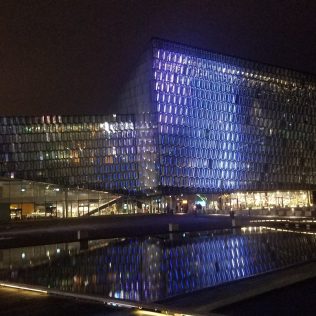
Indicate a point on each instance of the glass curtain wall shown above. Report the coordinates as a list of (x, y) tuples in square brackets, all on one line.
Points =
[(213, 124), (29, 199), (227, 124), (95, 152)]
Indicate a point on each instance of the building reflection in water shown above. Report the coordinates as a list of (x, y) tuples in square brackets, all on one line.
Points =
[(155, 268)]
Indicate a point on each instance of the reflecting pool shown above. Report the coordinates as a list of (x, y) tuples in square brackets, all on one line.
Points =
[(154, 268)]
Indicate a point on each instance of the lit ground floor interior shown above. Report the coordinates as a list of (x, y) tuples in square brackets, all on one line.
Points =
[(261, 203), (22, 199)]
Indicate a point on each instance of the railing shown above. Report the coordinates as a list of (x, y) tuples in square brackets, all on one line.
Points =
[(103, 206)]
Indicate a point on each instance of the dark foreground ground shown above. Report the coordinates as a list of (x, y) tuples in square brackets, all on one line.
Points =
[(18, 302), (297, 299), (272, 293)]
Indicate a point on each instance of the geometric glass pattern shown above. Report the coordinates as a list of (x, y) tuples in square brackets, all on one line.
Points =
[(209, 123), (95, 152), (227, 124)]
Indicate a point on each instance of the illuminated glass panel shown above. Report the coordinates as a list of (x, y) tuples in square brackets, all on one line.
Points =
[(211, 123), (227, 124), (96, 152)]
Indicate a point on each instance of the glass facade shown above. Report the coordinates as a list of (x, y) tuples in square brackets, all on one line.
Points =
[(95, 152), (26, 199), (200, 123), (227, 124)]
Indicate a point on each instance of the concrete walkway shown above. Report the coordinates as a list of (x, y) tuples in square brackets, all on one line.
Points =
[(35, 232), (55, 231), (209, 301), (20, 302)]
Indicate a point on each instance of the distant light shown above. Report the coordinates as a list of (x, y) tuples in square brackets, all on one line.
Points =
[(105, 126), (23, 255), (58, 250), (23, 190)]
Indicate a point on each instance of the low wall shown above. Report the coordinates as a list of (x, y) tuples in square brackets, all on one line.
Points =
[(298, 212)]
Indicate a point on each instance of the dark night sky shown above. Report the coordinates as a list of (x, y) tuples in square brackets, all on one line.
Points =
[(71, 57)]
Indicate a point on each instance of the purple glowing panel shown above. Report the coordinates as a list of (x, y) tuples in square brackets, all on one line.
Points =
[(217, 119), (197, 121)]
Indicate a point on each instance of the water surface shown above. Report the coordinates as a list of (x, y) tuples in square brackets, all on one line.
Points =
[(155, 268)]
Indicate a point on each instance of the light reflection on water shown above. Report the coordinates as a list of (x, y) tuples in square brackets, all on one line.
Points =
[(155, 268)]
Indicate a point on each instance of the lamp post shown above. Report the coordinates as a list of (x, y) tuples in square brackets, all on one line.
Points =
[(127, 199)]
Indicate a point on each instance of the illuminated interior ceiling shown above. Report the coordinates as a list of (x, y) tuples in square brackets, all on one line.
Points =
[(260, 200), (37, 199)]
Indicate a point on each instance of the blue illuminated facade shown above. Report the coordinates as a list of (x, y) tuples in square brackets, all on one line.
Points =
[(226, 124), (192, 122)]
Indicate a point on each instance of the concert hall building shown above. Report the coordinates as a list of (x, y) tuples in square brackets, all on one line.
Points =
[(192, 129)]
